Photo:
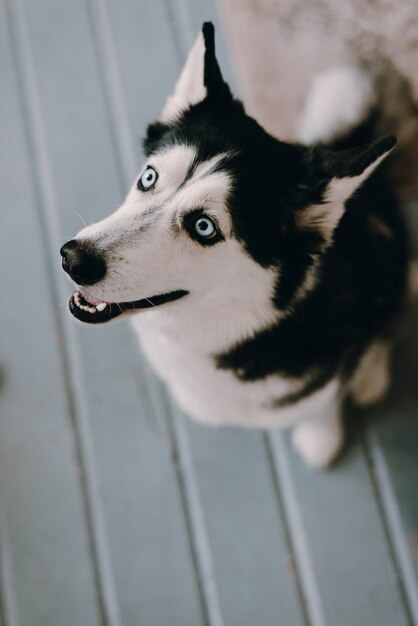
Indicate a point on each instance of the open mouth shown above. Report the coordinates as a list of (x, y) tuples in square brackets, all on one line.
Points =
[(95, 312)]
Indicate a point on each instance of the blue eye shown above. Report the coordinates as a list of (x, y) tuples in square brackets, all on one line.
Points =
[(202, 228), (205, 228), (148, 179)]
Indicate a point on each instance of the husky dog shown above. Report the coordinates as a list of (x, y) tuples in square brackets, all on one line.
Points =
[(265, 277)]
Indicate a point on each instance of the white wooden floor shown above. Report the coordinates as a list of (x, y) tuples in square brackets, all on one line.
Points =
[(115, 510)]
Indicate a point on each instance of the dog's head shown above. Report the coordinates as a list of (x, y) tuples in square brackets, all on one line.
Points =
[(221, 211)]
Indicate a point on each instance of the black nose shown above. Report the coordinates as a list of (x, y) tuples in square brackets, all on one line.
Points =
[(82, 263)]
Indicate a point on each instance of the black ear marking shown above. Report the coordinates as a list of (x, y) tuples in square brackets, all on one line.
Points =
[(155, 132), (213, 80), (362, 160), (208, 31), (352, 162)]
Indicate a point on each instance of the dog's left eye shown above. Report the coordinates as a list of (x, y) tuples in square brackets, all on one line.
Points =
[(148, 179)]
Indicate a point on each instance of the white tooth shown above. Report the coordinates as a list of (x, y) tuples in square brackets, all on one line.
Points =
[(101, 306), (89, 309), (77, 297)]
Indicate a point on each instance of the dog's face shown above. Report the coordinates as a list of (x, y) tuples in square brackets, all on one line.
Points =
[(221, 211)]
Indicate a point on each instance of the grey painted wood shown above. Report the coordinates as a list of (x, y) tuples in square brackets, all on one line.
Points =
[(47, 214), (114, 508), (393, 444), (8, 601), (151, 560), (252, 559), (340, 523), (45, 556)]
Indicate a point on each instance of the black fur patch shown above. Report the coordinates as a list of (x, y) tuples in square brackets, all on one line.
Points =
[(314, 382), (352, 161), (361, 276), (361, 285), (213, 80), (155, 133)]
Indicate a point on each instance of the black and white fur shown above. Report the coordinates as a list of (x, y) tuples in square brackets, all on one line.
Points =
[(287, 306)]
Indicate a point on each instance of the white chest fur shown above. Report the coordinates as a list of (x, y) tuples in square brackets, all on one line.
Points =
[(181, 351)]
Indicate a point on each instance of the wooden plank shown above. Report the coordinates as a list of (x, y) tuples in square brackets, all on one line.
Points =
[(47, 557), (152, 562), (254, 566), (267, 588), (339, 522), (147, 60), (8, 601), (47, 215), (393, 444)]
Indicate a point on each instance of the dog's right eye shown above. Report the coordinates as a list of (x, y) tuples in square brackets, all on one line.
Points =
[(148, 179), (202, 228)]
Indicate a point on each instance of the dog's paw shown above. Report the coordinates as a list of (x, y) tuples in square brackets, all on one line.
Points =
[(318, 442)]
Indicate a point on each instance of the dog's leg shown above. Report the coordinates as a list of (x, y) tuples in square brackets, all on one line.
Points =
[(371, 379), (319, 439)]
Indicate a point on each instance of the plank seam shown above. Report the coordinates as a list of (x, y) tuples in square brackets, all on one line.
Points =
[(49, 229), (112, 91), (393, 527), (188, 489), (286, 495), (268, 445), (8, 604), (199, 539), (180, 23)]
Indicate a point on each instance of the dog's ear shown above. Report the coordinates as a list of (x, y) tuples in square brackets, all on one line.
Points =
[(340, 174), (199, 79)]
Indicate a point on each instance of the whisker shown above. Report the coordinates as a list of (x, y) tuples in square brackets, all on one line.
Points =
[(82, 218)]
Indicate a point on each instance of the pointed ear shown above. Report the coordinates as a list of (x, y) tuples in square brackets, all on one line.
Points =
[(200, 77), (344, 172), (348, 169)]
